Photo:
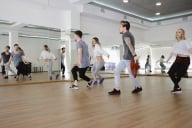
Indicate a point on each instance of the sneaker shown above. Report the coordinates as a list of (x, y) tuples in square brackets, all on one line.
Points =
[(137, 90), (63, 76), (5, 77), (94, 82), (57, 76), (177, 90), (74, 87), (17, 78), (29, 76), (114, 92), (89, 84), (101, 80)]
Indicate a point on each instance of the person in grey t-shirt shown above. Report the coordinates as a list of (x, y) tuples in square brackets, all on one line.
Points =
[(83, 61), (17, 56), (129, 55)]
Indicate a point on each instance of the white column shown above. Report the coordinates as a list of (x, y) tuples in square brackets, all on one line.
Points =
[(13, 38), (71, 21)]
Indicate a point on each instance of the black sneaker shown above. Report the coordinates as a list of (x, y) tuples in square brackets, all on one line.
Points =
[(89, 84), (6, 77), (177, 90), (74, 87), (137, 90), (114, 92)]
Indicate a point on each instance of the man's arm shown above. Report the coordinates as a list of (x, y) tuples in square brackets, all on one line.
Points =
[(130, 46), (80, 51)]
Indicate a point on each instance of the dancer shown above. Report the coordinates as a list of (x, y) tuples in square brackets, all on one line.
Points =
[(63, 61), (5, 56), (17, 56), (83, 61), (129, 55), (98, 60), (47, 56), (148, 64), (163, 67), (182, 50)]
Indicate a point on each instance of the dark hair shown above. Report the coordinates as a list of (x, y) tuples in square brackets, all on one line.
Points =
[(63, 48), (16, 45), (148, 56), (125, 24), (46, 47), (79, 33), (7, 46), (96, 40), (163, 56)]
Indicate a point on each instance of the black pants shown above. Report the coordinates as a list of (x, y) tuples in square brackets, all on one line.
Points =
[(19, 68), (179, 70), (81, 71), (3, 69), (63, 68)]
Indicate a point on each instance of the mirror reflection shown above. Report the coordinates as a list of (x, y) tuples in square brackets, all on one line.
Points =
[(40, 54)]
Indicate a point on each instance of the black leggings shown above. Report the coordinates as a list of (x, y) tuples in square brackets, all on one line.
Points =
[(63, 68), (179, 70), (81, 71)]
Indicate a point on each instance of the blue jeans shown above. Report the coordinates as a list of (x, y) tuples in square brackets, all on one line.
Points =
[(120, 67)]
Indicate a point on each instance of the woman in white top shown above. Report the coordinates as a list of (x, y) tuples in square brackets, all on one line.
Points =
[(182, 50), (98, 53), (47, 56)]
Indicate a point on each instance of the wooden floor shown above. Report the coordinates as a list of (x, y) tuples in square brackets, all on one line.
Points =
[(54, 105)]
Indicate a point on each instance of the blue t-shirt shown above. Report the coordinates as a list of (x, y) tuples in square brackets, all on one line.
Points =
[(17, 58), (85, 54)]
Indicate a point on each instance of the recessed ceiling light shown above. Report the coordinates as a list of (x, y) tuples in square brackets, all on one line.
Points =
[(158, 4), (125, 1), (158, 13)]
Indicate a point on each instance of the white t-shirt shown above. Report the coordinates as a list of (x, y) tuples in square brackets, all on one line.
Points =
[(47, 55), (98, 51), (182, 47)]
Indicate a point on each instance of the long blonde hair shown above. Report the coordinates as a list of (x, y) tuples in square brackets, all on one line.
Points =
[(182, 35)]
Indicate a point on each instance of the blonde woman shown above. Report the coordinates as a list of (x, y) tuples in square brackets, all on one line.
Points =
[(98, 60), (182, 50)]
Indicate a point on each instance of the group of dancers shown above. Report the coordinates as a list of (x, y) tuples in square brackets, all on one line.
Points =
[(182, 50), (23, 66)]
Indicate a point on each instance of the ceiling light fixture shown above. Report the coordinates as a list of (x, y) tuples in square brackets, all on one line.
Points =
[(158, 4), (158, 13), (125, 1)]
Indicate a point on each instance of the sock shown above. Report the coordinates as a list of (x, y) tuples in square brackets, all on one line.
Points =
[(75, 82)]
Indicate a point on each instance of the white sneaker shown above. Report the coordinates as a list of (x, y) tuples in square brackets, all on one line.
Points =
[(74, 87)]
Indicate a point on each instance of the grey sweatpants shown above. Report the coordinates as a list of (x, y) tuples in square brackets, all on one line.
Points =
[(96, 68)]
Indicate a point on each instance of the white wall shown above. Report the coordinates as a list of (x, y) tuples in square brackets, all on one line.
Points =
[(166, 33)]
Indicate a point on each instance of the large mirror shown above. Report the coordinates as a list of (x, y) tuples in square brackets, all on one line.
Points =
[(32, 38)]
